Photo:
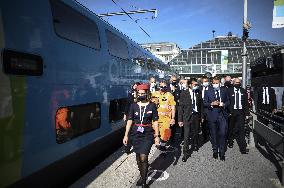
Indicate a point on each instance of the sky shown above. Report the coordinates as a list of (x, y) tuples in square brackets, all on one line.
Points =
[(190, 22)]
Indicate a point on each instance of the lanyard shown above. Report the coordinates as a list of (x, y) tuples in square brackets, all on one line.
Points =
[(142, 117)]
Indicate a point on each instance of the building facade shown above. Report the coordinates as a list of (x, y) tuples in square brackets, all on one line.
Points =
[(221, 55), (165, 51)]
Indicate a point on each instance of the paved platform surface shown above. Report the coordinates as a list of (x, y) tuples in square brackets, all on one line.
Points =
[(254, 169)]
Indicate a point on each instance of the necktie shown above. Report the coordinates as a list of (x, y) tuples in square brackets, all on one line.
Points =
[(217, 95), (237, 99)]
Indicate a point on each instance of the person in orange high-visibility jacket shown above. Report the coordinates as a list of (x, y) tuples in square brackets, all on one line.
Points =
[(166, 111)]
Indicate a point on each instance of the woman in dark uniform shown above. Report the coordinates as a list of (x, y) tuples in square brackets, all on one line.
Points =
[(143, 117)]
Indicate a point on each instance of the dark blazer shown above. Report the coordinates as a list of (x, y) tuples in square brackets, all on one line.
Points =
[(203, 109), (212, 112), (272, 99), (244, 100), (185, 105)]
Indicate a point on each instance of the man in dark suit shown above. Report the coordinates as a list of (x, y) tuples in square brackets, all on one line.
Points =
[(228, 84), (204, 88), (266, 101), (217, 101), (239, 111), (189, 116)]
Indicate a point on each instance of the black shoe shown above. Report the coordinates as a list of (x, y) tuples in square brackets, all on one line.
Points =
[(184, 158), (139, 182), (145, 185), (231, 144), (164, 154), (222, 158), (195, 148), (215, 155), (244, 151), (161, 148)]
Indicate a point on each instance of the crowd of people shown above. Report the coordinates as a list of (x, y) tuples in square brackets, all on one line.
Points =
[(217, 107)]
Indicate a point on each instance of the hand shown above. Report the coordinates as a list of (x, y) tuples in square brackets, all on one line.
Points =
[(215, 103), (180, 124), (202, 120), (124, 117), (157, 141), (247, 117), (221, 104), (172, 122), (125, 140), (274, 111)]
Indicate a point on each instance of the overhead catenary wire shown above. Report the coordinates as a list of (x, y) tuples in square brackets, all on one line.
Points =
[(131, 18)]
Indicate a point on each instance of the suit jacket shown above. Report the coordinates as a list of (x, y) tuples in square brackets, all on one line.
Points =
[(244, 100), (272, 99), (185, 105), (213, 112), (203, 108)]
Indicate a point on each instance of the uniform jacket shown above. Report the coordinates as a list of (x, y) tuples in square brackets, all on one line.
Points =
[(272, 98), (244, 100)]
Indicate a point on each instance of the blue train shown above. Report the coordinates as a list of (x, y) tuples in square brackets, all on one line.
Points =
[(64, 78)]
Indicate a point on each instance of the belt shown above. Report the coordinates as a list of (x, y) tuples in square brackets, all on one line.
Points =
[(143, 125)]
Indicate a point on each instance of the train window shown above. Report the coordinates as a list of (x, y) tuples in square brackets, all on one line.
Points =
[(71, 25), (116, 45), (20, 63), (116, 109), (73, 121)]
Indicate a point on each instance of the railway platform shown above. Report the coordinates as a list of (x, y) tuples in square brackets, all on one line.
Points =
[(256, 169)]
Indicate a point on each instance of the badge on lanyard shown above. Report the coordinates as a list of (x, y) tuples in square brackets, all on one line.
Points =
[(141, 117), (140, 129)]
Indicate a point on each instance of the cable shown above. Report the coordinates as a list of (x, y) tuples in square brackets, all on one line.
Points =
[(131, 18)]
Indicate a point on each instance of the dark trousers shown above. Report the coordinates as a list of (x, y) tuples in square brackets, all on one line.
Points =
[(191, 130), (237, 123), (205, 129), (218, 133), (230, 130), (174, 127)]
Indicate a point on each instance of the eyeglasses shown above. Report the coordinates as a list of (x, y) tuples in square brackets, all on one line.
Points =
[(142, 94)]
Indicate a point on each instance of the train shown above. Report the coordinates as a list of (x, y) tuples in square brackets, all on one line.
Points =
[(267, 71), (64, 78)]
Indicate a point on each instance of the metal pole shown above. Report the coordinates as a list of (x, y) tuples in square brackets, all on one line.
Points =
[(244, 70)]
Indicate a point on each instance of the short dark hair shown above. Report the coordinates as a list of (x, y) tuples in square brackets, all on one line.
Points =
[(204, 77), (192, 80), (216, 78), (163, 81)]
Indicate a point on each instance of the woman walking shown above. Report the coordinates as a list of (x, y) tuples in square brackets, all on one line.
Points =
[(143, 117)]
